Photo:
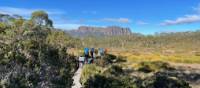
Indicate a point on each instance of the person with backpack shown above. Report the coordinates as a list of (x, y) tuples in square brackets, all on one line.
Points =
[(101, 52), (105, 50), (81, 61), (96, 52), (92, 52), (86, 53)]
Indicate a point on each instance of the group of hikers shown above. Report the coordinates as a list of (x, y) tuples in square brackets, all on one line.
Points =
[(90, 54)]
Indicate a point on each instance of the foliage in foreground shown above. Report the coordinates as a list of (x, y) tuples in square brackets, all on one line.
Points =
[(114, 76), (163, 81), (88, 71), (29, 56), (110, 78)]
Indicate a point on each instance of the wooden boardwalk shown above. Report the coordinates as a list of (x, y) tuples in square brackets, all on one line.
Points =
[(77, 76)]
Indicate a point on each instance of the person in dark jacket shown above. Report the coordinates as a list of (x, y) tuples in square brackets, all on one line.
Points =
[(86, 53), (92, 52)]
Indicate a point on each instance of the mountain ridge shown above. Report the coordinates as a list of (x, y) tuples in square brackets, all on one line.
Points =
[(101, 31)]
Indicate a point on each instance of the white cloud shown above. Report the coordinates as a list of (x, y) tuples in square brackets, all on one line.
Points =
[(141, 23), (27, 12), (182, 20), (118, 20), (187, 19)]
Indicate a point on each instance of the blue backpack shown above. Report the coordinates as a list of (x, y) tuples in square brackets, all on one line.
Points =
[(92, 49), (86, 51)]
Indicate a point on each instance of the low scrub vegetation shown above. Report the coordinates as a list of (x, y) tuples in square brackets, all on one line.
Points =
[(115, 76), (89, 71), (163, 81), (111, 77), (154, 66)]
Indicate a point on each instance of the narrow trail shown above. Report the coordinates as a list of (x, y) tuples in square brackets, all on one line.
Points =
[(77, 76)]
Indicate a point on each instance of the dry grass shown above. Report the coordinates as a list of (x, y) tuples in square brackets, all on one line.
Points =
[(136, 57)]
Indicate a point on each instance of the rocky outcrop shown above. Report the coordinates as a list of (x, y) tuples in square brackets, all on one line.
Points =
[(110, 31)]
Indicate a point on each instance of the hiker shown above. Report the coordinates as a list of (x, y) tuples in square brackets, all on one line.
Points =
[(92, 55), (81, 61), (90, 60), (77, 62), (96, 52), (101, 51), (106, 50), (92, 52), (86, 53)]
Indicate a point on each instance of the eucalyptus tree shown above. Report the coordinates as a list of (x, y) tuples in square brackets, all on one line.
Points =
[(41, 18)]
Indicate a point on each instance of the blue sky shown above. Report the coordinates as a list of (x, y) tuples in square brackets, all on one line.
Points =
[(143, 16)]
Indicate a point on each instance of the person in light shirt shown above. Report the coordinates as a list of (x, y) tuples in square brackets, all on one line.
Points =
[(81, 61)]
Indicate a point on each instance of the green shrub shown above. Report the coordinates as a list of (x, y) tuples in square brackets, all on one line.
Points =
[(112, 77), (108, 59), (100, 81), (114, 70), (29, 62), (100, 62), (163, 81), (89, 71), (153, 66)]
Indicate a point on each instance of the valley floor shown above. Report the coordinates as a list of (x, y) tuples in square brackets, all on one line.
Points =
[(187, 65)]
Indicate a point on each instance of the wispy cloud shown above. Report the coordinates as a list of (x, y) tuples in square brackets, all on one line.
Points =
[(27, 12), (67, 26), (141, 23), (197, 9), (74, 24), (117, 20), (182, 20), (187, 19)]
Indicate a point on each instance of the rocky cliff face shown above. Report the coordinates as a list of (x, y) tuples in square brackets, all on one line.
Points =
[(109, 31)]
